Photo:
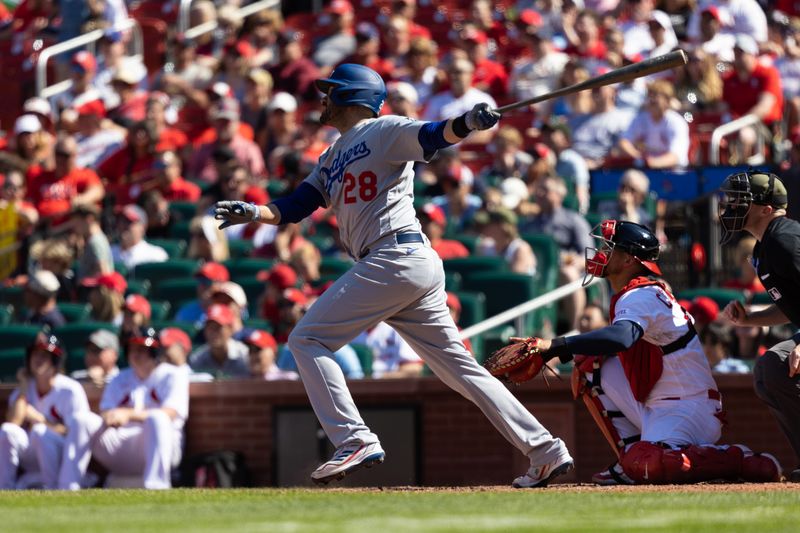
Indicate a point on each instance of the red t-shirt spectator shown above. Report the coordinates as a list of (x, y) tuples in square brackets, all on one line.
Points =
[(491, 77), (209, 135), (181, 190), (449, 249), (126, 177), (596, 51), (742, 95), (171, 139), (753, 287), (53, 197)]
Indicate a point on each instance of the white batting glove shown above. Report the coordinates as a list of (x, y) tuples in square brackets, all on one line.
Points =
[(236, 212), (481, 117)]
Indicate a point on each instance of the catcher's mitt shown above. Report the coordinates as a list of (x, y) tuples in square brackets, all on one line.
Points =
[(517, 362)]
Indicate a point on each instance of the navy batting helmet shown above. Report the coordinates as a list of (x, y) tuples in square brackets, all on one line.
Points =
[(635, 239), (355, 85)]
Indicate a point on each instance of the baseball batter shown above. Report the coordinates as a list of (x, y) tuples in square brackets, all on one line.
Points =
[(143, 410), (650, 387), (366, 177), (40, 413)]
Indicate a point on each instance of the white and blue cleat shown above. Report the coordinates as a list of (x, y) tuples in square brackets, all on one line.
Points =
[(346, 460)]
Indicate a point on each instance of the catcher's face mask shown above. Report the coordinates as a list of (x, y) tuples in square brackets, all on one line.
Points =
[(597, 258), (735, 200)]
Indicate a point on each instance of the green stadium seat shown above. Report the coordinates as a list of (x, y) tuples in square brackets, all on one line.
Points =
[(473, 310), (325, 279), (593, 219), (504, 290), (720, 295), (181, 211), (240, 248), (120, 267), (276, 189), (470, 242), (188, 327), (322, 242), (74, 336), (175, 248), (138, 286), (547, 259), (75, 312), (11, 295), (172, 269), (452, 281), (176, 290), (334, 265), (6, 314), (160, 310), (258, 323), (11, 360), (75, 360), (18, 336), (247, 266), (253, 289), (467, 266), (180, 230), (365, 357), (762, 298)]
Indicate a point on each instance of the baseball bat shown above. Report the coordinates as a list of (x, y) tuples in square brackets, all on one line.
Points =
[(676, 58)]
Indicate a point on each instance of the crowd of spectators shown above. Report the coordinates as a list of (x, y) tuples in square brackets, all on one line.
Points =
[(118, 172)]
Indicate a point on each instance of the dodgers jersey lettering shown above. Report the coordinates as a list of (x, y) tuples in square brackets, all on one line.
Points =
[(367, 177), (686, 371)]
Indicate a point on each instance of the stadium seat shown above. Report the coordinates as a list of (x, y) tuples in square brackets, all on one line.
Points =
[(160, 310), (159, 272), (138, 286), (176, 290), (762, 298), (120, 268), (6, 314), (247, 266), (467, 266), (76, 361), (11, 360), (175, 248), (473, 310), (75, 312), (720, 295), (188, 327), (452, 281), (18, 336), (504, 290), (253, 288), (333, 265), (180, 230), (547, 260), (74, 336), (11, 295), (180, 211), (365, 357), (258, 323), (240, 248), (470, 242)]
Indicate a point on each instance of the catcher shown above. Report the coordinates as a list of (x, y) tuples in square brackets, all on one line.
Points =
[(647, 382)]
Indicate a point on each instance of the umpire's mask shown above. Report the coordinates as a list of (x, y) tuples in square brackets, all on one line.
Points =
[(740, 191)]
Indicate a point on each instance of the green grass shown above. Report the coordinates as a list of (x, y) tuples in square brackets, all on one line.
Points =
[(399, 511)]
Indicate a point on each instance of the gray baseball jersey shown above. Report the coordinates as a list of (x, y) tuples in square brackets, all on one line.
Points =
[(367, 176)]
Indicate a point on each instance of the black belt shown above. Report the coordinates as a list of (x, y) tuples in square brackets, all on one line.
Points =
[(400, 238), (681, 342)]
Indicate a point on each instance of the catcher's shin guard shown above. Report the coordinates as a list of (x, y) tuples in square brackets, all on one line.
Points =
[(590, 394)]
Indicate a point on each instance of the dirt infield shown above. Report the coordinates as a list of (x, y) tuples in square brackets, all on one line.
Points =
[(586, 487)]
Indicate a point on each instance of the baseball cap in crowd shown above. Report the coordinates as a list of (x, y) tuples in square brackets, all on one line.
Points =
[(27, 124), (530, 18), (260, 339), (256, 195), (260, 77), (434, 213), (556, 125), (768, 189), (213, 272), (171, 336), (289, 36), (221, 314), (104, 340), (226, 109), (498, 215), (366, 31), (474, 35), (514, 191), (136, 303), (339, 7), (280, 276), (712, 11), (746, 44), (43, 283), (459, 173), (134, 213), (130, 72), (39, 106), (232, 290), (704, 309), (296, 296), (113, 281), (404, 90), (240, 49), (89, 107), (223, 154), (85, 60), (219, 90), (282, 101), (453, 301), (660, 19)]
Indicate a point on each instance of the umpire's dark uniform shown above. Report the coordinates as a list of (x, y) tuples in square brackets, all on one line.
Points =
[(777, 261)]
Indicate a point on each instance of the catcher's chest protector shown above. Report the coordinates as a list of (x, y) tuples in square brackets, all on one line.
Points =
[(642, 361)]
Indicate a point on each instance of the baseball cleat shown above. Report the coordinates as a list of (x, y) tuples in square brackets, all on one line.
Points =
[(347, 459), (540, 476), (613, 475), (794, 476)]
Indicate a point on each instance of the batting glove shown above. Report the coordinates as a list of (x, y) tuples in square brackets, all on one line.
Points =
[(481, 117), (235, 212)]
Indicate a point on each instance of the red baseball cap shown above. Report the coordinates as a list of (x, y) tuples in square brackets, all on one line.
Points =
[(170, 336), (435, 213), (256, 195), (241, 49), (529, 17), (295, 296), (453, 301), (213, 272), (113, 281), (704, 309), (261, 339), (474, 35), (713, 11), (339, 7), (221, 314), (94, 107), (136, 303), (281, 276), (85, 60)]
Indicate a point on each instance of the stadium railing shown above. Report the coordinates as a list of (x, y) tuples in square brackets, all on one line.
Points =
[(211, 25), (735, 126)]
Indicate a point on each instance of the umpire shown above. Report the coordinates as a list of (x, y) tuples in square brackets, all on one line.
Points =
[(756, 202)]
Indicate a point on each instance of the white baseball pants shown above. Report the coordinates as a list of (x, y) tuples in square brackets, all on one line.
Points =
[(40, 452), (403, 286), (150, 449)]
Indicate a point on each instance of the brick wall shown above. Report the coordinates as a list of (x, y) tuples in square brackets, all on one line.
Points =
[(457, 445)]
